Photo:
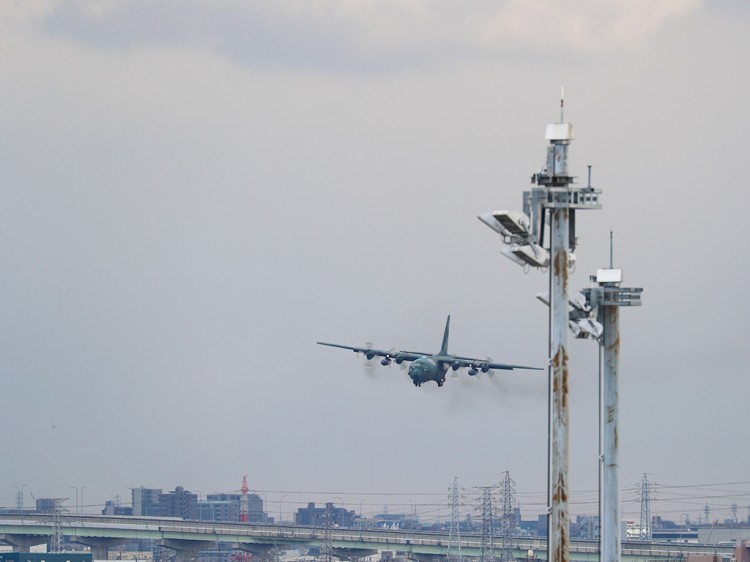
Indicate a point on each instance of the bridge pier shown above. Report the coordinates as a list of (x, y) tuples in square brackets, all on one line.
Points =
[(260, 550), (23, 543), (187, 550), (352, 554), (425, 557), (99, 545)]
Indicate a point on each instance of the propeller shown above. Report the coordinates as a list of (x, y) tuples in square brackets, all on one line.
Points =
[(369, 364), (396, 355), (366, 353), (486, 369)]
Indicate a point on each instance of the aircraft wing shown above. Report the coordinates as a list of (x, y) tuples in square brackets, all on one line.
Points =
[(417, 354), (484, 364), (369, 352)]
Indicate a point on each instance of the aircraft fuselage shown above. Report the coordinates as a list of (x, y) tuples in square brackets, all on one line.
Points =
[(427, 369)]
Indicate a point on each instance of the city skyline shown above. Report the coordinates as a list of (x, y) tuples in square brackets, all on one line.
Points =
[(720, 498)]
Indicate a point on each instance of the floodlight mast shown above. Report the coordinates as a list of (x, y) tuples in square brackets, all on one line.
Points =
[(611, 541), (560, 198), (606, 299), (553, 179), (555, 194)]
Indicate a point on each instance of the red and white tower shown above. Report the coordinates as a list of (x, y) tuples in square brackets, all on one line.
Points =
[(244, 502)]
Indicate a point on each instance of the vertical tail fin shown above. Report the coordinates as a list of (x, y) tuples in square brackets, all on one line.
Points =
[(444, 348)]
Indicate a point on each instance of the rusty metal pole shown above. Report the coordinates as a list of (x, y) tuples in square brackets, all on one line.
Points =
[(611, 540), (559, 519), (609, 297), (559, 206)]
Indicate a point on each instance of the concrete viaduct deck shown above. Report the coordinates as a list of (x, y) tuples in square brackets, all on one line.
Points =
[(188, 537)]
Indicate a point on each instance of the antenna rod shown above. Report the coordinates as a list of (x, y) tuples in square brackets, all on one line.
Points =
[(611, 250), (562, 104)]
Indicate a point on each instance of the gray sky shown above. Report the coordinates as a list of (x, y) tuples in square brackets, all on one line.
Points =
[(194, 193)]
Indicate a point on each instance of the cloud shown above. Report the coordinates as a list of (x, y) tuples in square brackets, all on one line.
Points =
[(15, 15), (584, 26), (355, 34)]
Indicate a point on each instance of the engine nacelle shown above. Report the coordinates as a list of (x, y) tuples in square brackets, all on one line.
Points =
[(473, 372), (485, 368), (370, 356), (399, 360), (455, 365), (385, 362)]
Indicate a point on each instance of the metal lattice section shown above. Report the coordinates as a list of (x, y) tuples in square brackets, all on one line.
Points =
[(568, 196), (486, 510), (326, 549), (507, 516), (57, 538), (454, 533), (612, 296), (645, 497)]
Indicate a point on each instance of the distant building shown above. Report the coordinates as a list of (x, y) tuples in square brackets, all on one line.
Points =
[(220, 507), (255, 513), (217, 510), (146, 501), (316, 516), (226, 507), (516, 523), (718, 533), (114, 508), (224, 497), (658, 522), (396, 521), (530, 526), (47, 505), (179, 503), (542, 525), (585, 527), (632, 531)]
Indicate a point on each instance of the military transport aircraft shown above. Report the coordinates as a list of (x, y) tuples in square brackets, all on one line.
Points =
[(431, 366)]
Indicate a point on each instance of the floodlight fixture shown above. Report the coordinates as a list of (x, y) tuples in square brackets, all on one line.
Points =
[(531, 254), (515, 222), (490, 220), (579, 301), (506, 250), (580, 317), (586, 327)]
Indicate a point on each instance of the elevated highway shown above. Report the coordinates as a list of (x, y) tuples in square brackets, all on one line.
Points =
[(188, 537)]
